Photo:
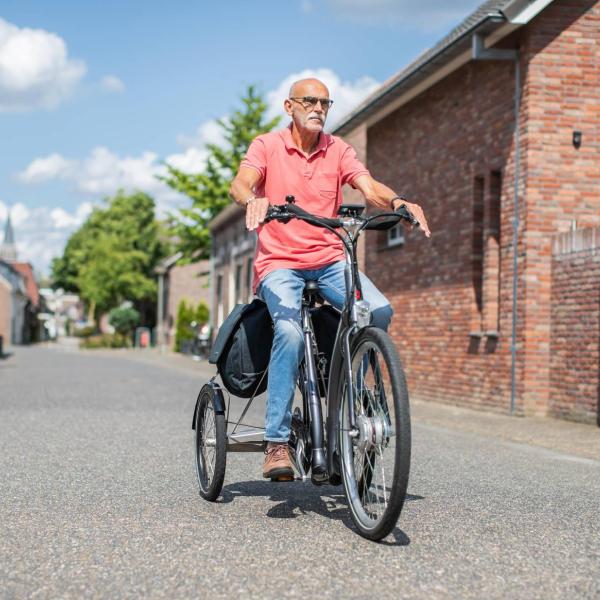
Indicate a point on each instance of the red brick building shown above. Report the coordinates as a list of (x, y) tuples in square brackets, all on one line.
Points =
[(179, 282), (443, 132)]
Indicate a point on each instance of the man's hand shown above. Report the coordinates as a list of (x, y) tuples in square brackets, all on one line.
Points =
[(416, 211), (256, 211)]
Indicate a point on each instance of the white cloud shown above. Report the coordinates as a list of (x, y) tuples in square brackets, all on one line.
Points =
[(41, 233), (35, 69), (104, 172), (426, 15), (53, 166), (209, 132), (192, 160), (346, 95), (61, 219), (112, 84)]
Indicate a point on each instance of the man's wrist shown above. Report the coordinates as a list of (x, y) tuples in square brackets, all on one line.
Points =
[(392, 200), (249, 199)]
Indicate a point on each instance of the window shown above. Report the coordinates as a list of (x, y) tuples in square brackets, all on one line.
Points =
[(219, 300), (477, 244), (238, 283), (249, 278), (491, 262), (395, 236)]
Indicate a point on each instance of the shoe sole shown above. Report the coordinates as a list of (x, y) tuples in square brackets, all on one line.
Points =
[(280, 474)]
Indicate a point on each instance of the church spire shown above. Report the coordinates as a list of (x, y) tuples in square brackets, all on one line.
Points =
[(8, 250)]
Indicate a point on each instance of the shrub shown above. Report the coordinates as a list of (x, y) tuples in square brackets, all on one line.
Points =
[(84, 332), (202, 313), (105, 340), (183, 331), (124, 319)]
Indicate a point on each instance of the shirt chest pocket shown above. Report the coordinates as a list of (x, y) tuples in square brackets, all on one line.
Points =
[(327, 184)]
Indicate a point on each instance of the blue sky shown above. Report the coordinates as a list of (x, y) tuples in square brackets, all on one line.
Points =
[(93, 95)]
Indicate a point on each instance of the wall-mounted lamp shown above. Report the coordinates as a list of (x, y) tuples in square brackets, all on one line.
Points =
[(577, 139)]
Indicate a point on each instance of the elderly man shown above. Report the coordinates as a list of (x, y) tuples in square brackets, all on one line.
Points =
[(311, 165)]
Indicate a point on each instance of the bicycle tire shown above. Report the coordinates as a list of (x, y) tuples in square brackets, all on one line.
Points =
[(210, 446), (382, 431)]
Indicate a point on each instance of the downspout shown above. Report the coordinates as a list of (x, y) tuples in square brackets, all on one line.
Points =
[(480, 52)]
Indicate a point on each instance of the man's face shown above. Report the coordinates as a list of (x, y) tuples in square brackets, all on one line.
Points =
[(307, 117)]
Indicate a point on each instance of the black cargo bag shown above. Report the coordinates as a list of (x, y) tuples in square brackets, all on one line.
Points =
[(243, 348)]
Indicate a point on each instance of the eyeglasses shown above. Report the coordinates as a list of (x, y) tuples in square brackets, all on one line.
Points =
[(311, 102)]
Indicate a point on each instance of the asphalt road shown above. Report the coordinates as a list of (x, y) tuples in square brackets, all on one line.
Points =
[(98, 499)]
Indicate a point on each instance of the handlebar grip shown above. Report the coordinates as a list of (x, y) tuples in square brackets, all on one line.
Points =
[(407, 215)]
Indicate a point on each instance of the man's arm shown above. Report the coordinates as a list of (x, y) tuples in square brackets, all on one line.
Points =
[(242, 191), (382, 197)]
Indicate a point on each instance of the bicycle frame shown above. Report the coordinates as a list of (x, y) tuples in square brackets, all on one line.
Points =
[(353, 317)]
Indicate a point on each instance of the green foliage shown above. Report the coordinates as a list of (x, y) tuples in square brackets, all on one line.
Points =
[(84, 331), (209, 190), (111, 257), (202, 313), (105, 340), (124, 319), (183, 330)]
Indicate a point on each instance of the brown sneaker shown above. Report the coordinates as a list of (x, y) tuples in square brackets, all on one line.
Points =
[(278, 466)]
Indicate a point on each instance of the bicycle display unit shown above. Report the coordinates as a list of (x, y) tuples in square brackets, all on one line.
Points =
[(364, 439)]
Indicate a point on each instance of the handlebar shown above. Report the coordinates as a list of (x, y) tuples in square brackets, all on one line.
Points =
[(285, 212)]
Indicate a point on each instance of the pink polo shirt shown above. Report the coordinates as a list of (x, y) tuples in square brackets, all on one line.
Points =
[(316, 182)]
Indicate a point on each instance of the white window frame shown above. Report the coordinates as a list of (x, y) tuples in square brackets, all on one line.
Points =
[(395, 236)]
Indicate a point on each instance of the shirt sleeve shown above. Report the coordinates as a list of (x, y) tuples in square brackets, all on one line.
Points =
[(350, 166), (256, 157)]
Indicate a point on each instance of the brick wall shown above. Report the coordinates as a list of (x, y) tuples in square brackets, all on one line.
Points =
[(561, 94), (437, 150), (189, 282), (575, 326), (452, 149)]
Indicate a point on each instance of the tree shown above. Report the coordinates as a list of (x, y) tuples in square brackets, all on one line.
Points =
[(209, 190), (111, 257)]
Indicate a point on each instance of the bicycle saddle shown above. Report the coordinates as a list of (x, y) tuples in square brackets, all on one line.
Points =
[(310, 287)]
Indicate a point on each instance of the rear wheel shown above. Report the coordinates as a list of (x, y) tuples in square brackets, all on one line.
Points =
[(375, 453), (211, 433)]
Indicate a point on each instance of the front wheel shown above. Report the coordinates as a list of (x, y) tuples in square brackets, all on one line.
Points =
[(375, 452), (211, 433)]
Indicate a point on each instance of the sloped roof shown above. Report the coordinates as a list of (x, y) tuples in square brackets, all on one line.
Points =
[(485, 19), (31, 286)]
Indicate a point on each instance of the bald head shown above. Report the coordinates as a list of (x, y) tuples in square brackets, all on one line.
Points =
[(309, 87)]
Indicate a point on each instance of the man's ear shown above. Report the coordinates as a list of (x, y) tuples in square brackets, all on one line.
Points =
[(287, 106)]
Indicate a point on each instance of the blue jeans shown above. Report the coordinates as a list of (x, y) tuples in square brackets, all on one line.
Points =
[(282, 290)]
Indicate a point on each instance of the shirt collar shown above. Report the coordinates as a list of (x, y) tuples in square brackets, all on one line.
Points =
[(324, 140)]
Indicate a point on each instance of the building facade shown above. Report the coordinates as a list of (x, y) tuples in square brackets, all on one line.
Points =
[(444, 133), (231, 271), (495, 131)]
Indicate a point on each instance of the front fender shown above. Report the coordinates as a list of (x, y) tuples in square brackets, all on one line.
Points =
[(213, 388), (336, 372)]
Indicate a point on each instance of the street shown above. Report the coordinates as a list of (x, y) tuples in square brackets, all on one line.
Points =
[(99, 499)]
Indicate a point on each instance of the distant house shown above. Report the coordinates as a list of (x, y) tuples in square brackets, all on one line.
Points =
[(231, 269), (13, 305), (176, 283), (19, 298)]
